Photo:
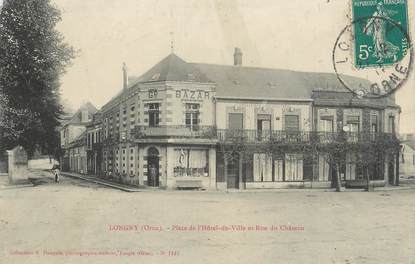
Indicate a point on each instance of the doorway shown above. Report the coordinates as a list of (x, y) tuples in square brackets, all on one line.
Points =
[(153, 167), (233, 172)]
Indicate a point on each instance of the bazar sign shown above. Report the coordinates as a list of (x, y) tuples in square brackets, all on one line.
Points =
[(192, 95)]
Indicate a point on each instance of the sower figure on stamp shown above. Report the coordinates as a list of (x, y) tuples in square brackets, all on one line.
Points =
[(56, 172), (377, 26)]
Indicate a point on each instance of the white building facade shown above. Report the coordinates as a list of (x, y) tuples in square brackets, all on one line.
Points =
[(192, 125)]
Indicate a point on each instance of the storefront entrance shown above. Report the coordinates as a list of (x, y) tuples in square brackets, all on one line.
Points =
[(153, 167)]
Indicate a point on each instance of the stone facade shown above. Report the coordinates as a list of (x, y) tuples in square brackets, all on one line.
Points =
[(185, 125)]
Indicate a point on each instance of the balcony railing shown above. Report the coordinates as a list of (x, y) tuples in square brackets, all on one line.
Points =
[(255, 136), (207, 132)]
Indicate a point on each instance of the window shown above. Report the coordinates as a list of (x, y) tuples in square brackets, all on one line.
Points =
[(292, 123), (391, 124), (353, 122), (293, 167), (236, 121), (374, 126), (191, 162), (263, 126), (262, 167), (276, 168), (326, 124), (192, 116), (154, 114)]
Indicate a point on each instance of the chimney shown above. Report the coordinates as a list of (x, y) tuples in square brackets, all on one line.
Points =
[(237, 57), (124, 76)]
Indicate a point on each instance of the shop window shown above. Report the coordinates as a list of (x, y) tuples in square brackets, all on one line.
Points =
[(293, 167), (262, 167), (354, 168), (191, 162), (324, 168)]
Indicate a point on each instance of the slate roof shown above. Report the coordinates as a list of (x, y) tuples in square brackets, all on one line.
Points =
[(253, 82), (173, 68), (79, 140), (248, 82), (75, 119)]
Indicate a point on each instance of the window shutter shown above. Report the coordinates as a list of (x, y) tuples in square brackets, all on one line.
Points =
[(235, 121), (292, 123)]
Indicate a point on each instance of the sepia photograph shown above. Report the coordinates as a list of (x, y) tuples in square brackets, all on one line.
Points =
[(207, 131)]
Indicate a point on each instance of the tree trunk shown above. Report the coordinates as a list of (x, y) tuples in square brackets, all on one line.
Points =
[(367, 179), (338, 182)]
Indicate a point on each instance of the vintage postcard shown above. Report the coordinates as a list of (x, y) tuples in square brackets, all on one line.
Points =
[(207, 131)]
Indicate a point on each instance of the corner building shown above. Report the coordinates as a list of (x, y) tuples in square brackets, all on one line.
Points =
[(183, 125)]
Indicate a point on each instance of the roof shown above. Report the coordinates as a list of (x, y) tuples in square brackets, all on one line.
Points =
[(79, 140), (173, 68), (248, 82), (253, 82), (75, 119)]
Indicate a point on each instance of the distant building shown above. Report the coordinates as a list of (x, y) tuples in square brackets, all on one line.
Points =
[(73, 134), (228, 126), (94, 146), (407, 155)]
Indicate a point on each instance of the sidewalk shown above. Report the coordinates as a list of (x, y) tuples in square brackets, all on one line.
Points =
[(404, 185), (94, 179), (4, 183)]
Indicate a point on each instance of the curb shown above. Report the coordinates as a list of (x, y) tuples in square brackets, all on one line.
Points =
[(17, 186), (125, 189)]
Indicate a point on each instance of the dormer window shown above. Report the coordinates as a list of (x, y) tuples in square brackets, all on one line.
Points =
[(190, 76), (155, 77)]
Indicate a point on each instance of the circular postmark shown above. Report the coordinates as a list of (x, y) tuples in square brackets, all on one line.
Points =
[(378, 67)]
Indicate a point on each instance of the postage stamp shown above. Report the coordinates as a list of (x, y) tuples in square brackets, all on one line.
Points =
[(373, 56), (378, 39)]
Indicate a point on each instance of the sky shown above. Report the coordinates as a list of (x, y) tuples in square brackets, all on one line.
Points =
[(295, 34)]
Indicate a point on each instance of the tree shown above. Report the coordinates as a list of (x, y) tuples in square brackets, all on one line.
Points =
[(33, 56)]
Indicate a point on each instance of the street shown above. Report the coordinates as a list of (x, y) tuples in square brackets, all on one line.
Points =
[(79, 222)]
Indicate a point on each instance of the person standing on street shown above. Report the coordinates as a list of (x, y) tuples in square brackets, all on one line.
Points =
[(56, 172)]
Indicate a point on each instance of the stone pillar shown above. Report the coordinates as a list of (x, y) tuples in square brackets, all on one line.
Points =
[(170, 167), (212, 169), (17, 159), (241, 178), (225, 168), (140, 165)]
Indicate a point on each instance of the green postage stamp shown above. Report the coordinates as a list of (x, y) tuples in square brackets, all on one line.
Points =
[(380, 31)]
